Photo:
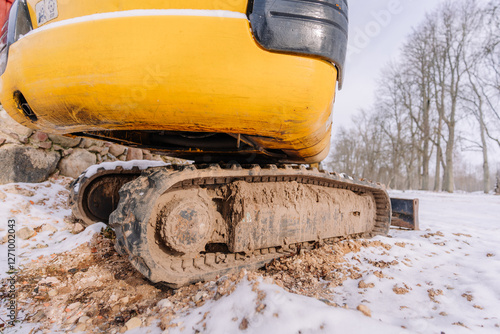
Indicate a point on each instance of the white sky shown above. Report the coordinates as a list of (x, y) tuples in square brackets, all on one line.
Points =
[(377, 30)]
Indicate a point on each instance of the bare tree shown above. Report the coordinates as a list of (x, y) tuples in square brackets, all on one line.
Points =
[(418, 71), (475, 93), (424, 102), (491, 71)]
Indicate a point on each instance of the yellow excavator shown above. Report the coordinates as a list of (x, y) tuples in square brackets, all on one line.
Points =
[(244, 88)]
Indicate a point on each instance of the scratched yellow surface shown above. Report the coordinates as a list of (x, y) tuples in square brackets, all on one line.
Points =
[(174, 73)]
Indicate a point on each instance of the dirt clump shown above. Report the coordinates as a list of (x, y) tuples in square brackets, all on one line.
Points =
[(468, 296), (433, 294), (364, 285), (401, 290), (364, 309)]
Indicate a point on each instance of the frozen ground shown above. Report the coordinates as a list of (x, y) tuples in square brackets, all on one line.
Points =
[(444, 278)]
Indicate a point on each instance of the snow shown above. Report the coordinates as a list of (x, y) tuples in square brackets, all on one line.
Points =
[(141, 164), (443, 278), (37, 206), (138, 13), (127, 165), (463, 262), (284, 312)]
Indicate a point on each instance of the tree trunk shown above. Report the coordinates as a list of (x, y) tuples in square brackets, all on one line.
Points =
[(425, 155), (497, 188), (448, 185), (486, 167), (439, 155)]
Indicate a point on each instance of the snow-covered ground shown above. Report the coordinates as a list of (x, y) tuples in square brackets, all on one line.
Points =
[(443, 278), (42, 209)]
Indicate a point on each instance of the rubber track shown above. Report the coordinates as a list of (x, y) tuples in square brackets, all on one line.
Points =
[(131, 219), (80, 185)]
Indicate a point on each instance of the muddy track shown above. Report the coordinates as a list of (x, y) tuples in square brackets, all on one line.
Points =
[(136, 220), (93, 197)]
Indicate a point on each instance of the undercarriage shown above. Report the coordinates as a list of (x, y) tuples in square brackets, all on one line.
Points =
[(182, 224)]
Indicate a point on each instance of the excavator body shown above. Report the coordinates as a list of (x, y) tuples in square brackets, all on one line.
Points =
[(186, 78), (246, 84)]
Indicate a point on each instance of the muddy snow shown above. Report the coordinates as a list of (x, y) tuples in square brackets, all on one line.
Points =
[(443, 278)]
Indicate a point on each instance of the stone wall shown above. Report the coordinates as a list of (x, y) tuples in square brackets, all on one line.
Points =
[(32, 156)]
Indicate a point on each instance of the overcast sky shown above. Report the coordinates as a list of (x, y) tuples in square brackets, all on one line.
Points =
[(377, 29)]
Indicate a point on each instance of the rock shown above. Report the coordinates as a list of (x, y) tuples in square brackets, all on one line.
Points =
[(95, 149), (157, 157), (25, 233), (45, 145), (67, 152), (147, 155), (71, 320), (40, 246), (65, 141), (40, 136), (4, 239), (77, 228), (48, 228), (116, 149), (74, 305), (38, 316), (87, 142), (83, 319), (164, 304), (364, 309), (80, 328), (2, 195), (13, 128), (2, 141), (244, 324), (105, 150), (26, 164), (51, 280), (78, 161), (52, 293), (134, 322), (134, 154), (199, 296)]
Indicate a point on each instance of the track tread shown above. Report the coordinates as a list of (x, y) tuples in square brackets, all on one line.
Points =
[(137, 198)]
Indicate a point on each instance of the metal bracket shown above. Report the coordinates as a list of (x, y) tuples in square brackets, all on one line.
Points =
[(405, 213)]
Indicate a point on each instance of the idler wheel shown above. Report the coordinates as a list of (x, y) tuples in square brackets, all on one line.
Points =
[(187, 222)]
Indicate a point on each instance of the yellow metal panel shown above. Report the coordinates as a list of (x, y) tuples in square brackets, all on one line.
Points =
[(75, 8), (201, 74)]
